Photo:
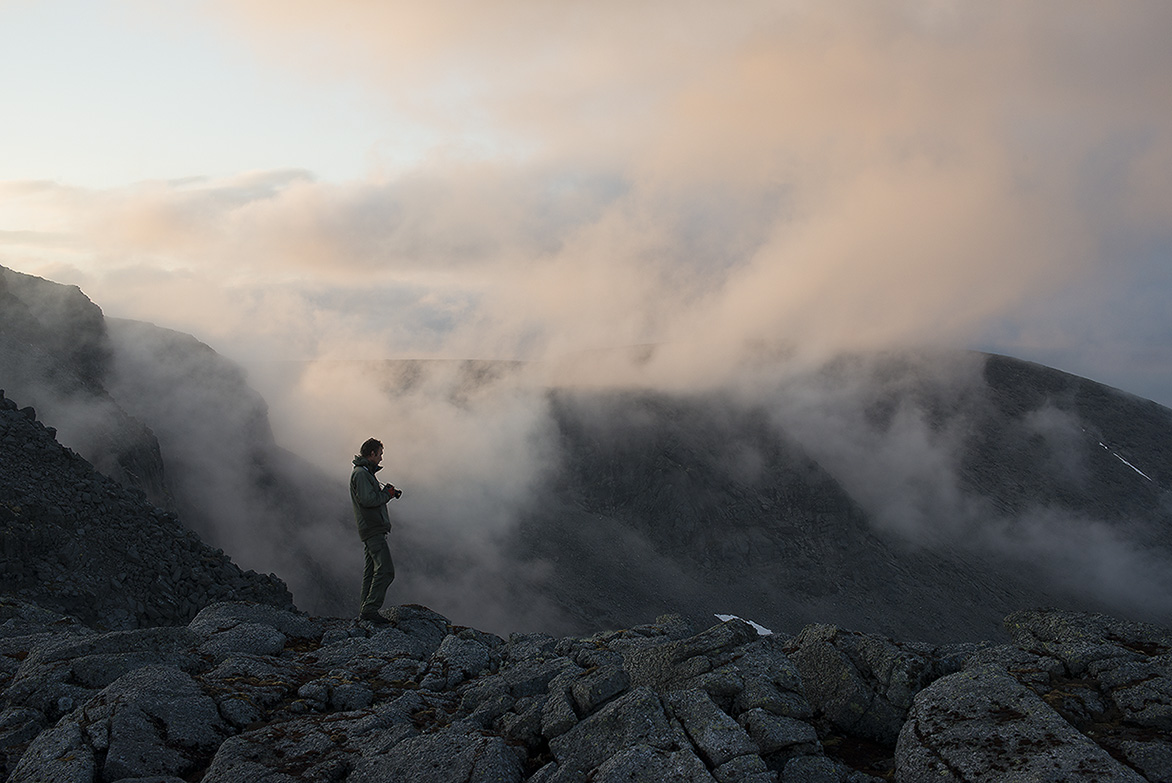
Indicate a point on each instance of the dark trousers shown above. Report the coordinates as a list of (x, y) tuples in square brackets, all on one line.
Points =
[(377, 573)]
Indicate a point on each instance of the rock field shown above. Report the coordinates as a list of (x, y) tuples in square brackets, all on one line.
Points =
[(74, 540), (251, 692)]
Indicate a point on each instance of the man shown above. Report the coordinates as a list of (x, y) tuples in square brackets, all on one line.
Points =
[(370, 512)]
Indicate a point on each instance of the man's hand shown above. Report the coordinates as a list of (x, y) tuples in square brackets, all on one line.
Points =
[(394, 493)]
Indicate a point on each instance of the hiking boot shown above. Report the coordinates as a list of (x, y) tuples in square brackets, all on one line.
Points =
[(374, 618)]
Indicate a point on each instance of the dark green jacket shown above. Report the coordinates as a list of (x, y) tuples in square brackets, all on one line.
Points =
[(370, 501)]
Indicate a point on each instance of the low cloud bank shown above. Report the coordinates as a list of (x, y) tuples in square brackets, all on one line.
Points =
[(909, 437)]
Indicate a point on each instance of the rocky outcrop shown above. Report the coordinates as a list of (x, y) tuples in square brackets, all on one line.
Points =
[(78, 542), (864, 684), (254, 692), (984, 725), (1076, 697)]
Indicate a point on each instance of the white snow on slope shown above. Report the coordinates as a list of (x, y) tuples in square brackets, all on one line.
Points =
[(1125, 462), (761, 630)]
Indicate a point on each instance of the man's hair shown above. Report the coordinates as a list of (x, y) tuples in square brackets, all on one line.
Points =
[(370, 447)]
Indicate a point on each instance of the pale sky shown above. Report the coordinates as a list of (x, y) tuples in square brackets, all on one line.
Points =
[(525, 179)]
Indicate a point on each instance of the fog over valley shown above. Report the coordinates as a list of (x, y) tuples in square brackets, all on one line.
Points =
[(895, 492)]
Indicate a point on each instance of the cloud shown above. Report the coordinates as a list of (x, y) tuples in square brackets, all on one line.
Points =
[(844, 176)]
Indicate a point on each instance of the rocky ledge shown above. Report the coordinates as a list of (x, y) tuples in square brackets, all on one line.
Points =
[(253, 692)]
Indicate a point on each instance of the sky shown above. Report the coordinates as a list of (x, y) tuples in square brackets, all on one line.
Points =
[(533, 180)]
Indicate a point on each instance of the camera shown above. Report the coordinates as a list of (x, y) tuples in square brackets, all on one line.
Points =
[(392, 491)]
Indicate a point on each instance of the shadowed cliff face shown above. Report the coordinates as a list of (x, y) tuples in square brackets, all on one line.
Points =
[(130, 397), (902, 501), (55, 355), (76, 541), (232, 483)]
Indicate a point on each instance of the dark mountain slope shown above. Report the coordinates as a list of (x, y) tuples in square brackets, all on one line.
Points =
[(130, 396), (78, 542), (1067, 441), (958, 497), (55, 355), (666, 503)]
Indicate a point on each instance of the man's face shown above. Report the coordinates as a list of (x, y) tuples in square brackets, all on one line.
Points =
[(377, 456)]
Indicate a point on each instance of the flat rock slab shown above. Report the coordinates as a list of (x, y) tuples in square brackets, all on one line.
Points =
[(451, 754), (982, 726)]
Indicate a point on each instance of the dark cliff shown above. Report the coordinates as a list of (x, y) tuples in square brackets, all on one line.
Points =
[(55, 355), (131, 397), (78, 542)]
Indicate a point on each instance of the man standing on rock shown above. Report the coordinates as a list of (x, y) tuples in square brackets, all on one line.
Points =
[(370, 512)]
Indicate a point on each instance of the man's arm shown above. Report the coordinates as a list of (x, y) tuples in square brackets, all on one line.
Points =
[(366, 491)]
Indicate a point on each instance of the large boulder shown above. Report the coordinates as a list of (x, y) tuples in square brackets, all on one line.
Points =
[(1110, 678), (634, 719), (982, 725), (63, 671), (863, 683), (154, 721), (719, 740)]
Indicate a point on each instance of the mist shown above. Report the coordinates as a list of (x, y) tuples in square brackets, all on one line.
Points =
[(942, 453), (478, 452)]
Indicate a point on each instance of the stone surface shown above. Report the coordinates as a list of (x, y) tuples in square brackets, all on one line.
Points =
[(647, 762), (636, 718), (339, 700), (444, 755), (862, 683), (717, 737), (982, 725)]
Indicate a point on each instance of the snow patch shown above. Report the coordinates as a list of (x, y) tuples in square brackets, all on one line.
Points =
[(761, 630), (1125, 462)]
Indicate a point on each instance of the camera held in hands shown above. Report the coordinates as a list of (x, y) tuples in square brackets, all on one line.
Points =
[(392, 491)]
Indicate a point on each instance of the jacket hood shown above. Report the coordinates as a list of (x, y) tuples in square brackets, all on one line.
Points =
[(363, 462)]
